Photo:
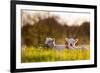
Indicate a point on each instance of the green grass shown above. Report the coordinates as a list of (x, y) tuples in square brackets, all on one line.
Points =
[(40, 54)]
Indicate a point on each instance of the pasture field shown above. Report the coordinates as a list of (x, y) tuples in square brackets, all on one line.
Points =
[(40, 54), (62, 27)]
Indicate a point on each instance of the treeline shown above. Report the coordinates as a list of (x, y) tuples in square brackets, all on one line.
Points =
[(35, 35)]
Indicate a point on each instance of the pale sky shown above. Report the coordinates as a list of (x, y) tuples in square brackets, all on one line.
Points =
[(70, 18)]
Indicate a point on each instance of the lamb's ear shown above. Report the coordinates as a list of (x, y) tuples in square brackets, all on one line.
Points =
[(76, 40), (47, 38), (66, 39)]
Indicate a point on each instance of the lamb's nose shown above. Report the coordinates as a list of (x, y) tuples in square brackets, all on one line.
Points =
[(70, 44)]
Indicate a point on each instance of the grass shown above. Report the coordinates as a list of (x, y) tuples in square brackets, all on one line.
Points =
[(40, 54)]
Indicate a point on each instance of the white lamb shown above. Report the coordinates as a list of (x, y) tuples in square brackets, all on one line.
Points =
[(69, 43), (50, 42)]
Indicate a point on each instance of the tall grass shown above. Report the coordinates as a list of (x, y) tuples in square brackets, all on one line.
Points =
[(40, 54)]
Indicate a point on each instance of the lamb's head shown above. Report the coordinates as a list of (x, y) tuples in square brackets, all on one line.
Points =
[(71, 43), (50, 42)]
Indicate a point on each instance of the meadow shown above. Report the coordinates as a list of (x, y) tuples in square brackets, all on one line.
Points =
[(41, 54), (37, 26)]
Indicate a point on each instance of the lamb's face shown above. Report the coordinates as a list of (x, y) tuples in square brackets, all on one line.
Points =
[(71, 43), (49, 42)]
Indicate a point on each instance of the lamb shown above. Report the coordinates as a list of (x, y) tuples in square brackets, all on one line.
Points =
[(50, 42), (69, 43)]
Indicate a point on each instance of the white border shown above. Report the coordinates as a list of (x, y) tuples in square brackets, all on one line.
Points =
[(20, 65)]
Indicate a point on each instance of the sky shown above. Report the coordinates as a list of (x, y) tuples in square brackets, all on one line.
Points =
[(72, 18), (69, 18)]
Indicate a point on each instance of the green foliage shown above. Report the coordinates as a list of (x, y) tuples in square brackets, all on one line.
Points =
[(40, 54)]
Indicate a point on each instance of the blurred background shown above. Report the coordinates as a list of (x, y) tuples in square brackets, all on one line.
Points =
[(36, 26)]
